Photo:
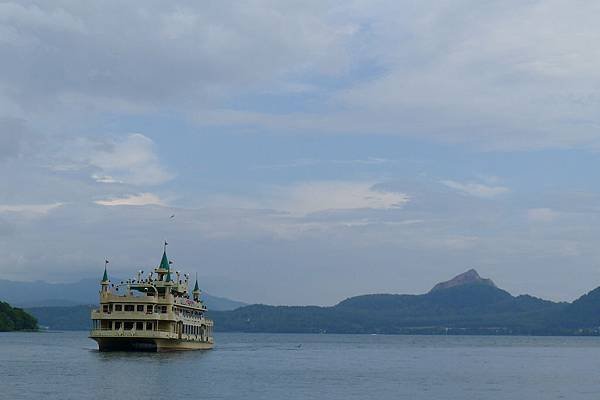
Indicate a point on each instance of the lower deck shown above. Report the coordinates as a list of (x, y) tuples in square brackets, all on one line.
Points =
[(147, 344), (149, 335)]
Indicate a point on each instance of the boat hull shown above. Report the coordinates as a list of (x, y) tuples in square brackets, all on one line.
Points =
[(148, 344)]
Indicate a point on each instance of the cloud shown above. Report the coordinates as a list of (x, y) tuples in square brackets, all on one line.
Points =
[(76, 80), (542, 215), (304, 198), (142, 199), (310, 197), (308, 162), (131, 159), (31, 209), (423, 70), (477, 189)]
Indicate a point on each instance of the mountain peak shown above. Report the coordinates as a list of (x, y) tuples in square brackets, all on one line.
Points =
[(469, 277)]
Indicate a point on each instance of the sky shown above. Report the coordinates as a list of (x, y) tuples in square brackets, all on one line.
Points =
[(309, 150)]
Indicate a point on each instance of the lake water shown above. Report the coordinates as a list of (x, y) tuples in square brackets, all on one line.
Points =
[(56, 365)]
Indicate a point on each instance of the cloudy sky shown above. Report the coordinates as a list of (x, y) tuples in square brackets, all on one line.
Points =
[(310, 150)]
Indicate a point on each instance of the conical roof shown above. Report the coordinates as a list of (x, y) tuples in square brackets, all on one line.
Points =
[(165, 264)]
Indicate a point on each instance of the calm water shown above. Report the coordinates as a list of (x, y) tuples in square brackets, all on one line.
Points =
[(265, 366)]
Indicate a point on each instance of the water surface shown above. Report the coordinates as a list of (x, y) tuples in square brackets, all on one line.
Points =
[(63, 365)]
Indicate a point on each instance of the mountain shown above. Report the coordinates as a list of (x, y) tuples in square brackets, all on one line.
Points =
[(466, 278), (85, 291), (15, 319), (472, 306), (466, 304), (582, 313)]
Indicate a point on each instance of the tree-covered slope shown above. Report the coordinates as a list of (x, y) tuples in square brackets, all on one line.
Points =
[(582, 313), (15, 319), (471, 306)]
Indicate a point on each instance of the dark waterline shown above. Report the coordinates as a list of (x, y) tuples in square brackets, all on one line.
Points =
[(59, 365)]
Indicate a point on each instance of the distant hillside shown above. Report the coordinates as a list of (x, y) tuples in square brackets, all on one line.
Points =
[(15, 319), (470, 305), (474, 307), (582, 313), (72, 318), (43, 294)]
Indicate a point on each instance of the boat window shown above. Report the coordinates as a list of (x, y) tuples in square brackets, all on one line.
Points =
[(149, 308), (128, 307), (118, 307), (140, 307), (163, 309), (139, 326), (117, 325), (105, 308), (148, 326), (128, 326)]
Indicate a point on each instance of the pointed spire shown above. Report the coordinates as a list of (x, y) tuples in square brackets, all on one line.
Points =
[(105, 276), (165, 263), (196, 289)]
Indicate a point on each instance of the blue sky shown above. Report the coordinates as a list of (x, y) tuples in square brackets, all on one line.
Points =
[(309, 150)]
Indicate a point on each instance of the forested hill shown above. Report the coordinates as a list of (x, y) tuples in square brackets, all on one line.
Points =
[(468, 308), (15, 319)]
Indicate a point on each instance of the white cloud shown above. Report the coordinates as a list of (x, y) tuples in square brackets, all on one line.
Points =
[(502, 75), (131, 159), (105, 179), (29, 208), (142, 199), (477, 189), (316, 196), (542, 214), (310, 197)]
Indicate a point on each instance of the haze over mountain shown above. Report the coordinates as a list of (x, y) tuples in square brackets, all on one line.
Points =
[(83, 292)]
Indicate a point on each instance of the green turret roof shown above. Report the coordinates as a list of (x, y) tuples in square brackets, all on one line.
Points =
[(105, 276), (165, 264), (196, 288)]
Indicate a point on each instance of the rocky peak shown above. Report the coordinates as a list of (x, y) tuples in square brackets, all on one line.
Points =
[(466, 278)]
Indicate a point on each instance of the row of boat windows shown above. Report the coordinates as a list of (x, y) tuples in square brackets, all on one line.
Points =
[(192, 330), (125, 325), (139, 326), (149, 326), (108, 308)]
